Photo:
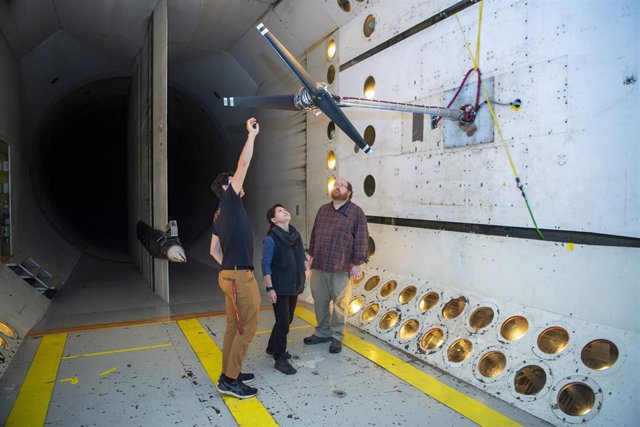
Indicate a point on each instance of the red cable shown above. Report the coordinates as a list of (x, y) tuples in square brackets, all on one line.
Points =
[(466, 76), (234, 298)]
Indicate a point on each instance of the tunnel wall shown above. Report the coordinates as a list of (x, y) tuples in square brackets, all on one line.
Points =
[(278, 169), (48, 73), (10, 100), (20, 306), (574, 126), (147, 148)]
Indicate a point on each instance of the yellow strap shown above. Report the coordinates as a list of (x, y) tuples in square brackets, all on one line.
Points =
[(459, 402), (476, 62), (32, 403), (247, 412)]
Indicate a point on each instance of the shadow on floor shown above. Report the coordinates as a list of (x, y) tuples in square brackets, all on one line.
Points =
[(102, 291)]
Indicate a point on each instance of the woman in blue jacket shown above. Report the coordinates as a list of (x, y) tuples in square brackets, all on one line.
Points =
[(284, 268)]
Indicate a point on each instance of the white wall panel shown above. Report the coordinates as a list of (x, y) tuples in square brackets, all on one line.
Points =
[(392, 18), (574, 180), (581, 288), (309, 20), (554, 277)]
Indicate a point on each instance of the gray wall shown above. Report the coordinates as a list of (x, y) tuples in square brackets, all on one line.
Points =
[(20, 306)]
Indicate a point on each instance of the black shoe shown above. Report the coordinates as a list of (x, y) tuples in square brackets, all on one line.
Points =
[(314, 339), (336, 346), (246, 377), (286, 354), (236, 388), (283, 365)]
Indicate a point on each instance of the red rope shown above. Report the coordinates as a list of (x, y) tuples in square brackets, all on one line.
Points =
[(466, 76), (234, 298)]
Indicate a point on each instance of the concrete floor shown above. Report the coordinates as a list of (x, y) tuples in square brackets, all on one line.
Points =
[(149, 374)]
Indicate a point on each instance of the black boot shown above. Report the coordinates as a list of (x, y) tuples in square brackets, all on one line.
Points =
[(283, 365)]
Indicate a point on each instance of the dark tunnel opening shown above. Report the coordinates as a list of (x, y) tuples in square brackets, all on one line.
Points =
[(79, 167)]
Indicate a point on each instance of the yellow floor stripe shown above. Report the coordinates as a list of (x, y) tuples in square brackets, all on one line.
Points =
[(123, 350), (459, 402), (32, 403), (247, 412)]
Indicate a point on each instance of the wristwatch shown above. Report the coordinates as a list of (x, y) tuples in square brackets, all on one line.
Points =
[(269, 288)]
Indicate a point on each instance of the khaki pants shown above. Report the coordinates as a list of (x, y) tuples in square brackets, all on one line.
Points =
[(235, 345), (325, 288)]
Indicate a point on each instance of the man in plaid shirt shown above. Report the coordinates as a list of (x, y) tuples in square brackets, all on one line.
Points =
[(338, 250)]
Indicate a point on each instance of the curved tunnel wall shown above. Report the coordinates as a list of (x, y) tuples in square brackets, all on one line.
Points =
[(79, 167)]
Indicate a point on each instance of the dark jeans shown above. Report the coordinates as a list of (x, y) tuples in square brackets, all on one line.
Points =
[(283, 309)]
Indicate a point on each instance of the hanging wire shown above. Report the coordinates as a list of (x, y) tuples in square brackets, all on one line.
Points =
[(475, 59)]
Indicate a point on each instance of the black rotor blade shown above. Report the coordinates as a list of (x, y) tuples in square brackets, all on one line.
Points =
[(277, 102), (305, 78), (328, 105)]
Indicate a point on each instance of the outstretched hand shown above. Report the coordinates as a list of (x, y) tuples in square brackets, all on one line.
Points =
[(253, 128)]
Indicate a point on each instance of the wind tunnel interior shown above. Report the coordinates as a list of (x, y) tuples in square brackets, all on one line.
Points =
[(79, 167)]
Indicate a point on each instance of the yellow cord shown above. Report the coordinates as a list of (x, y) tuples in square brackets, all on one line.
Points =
[(474, 59), (476, 62)]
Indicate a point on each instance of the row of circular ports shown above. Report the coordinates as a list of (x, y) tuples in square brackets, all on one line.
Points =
[(599, 354), (574, 399), (7, 331), (552, 340)]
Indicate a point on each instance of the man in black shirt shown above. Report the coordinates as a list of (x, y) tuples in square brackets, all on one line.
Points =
[(232, 247)]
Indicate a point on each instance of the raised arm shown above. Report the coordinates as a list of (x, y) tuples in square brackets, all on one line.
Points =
[(237, 181)]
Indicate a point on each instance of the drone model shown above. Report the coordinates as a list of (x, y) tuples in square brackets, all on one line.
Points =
[(314, 96)]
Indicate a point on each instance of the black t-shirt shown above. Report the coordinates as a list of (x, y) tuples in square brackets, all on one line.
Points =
[(231, 225)]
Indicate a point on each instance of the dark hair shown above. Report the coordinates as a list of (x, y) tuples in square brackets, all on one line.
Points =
[(271, 213), (221, 179)]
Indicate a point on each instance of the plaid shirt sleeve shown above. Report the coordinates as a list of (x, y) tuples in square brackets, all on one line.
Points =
[(361, 239)]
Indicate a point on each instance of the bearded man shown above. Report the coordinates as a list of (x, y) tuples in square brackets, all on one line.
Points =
[(338, 251)]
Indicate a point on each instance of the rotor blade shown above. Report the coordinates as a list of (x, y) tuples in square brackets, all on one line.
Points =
[(328, 105), (277, 102), (449, 113), (305, 78)]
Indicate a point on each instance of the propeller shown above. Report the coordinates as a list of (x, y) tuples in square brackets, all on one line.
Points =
[(314, 95)]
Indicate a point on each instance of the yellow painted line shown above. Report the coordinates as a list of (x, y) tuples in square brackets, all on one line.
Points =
[(32, 403), (128, 323), (107, 372), (290, 328), (247, 412), (72, 380), (123, 350), (459, 402), (131, 323)]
